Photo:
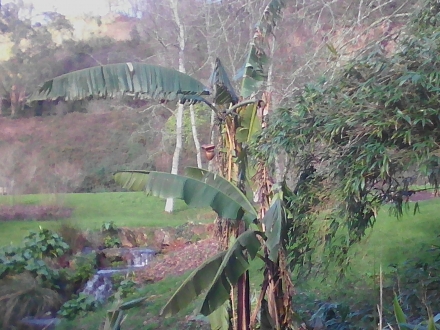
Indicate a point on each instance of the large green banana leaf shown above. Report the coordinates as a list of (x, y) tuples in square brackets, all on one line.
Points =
[(234, 264), (225, 186), (220, 318), (139, 79), (275, 223), (199, 280), (255, 72), (224, 93), (219, 194), (250, 124), (217, 275)]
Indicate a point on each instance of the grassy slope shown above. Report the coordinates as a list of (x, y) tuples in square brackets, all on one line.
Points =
[(391, 241), (129, 209)]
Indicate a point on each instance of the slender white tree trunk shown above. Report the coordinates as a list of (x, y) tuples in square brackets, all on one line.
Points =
[(195, 136), (278, 159), (169, 206)]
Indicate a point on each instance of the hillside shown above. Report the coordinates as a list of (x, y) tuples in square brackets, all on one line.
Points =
[(78, 151)]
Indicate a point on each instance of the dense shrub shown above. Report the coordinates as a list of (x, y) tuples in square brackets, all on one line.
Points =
[(81, 304), (24, 295), (34, 212), (73, 236)]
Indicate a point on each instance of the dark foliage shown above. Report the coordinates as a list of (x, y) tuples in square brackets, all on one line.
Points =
[(34, 212), (369, 131)]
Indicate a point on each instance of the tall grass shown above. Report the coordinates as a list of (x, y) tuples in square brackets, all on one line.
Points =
[(22, 295)]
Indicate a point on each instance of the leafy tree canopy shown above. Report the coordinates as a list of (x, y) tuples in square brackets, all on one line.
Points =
[(360, 138)]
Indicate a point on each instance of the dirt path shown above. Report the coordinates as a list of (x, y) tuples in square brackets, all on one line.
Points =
[(179, 259)]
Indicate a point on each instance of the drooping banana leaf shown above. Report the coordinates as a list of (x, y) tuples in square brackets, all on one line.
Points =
[(193, 286), (255, 73), (134, 180), (225, 186), (224, 93), (112, 80), (219, 194), (219, 319), (274, 221), (234, 264)]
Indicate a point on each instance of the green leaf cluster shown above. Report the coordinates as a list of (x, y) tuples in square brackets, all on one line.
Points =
[(30, 256), (81, 304)]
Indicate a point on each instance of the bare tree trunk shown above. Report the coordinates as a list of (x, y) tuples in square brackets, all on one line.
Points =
[(169, 206), (195, 136), (13, 110), (278, 160)]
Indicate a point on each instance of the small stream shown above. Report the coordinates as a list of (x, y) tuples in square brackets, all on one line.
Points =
[(100, 286)]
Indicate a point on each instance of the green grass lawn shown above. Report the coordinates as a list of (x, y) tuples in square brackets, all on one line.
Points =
[(131, 209), (392, 241)]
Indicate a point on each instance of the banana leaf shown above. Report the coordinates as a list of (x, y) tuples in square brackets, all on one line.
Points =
[(275, 223), (226, 187), (219, 194), (234, 264), (220, 318), (113, 80), (193, 286), (224, 93), (250, 124), (255, 72)]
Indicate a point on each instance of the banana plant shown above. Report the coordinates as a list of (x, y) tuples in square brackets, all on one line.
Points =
[(218, 275), (238, 122)]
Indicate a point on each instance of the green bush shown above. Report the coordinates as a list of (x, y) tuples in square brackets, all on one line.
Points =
[(84, 266), (111, 242), (124, 286), (81, 304), (30, 256), (111, 239)]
